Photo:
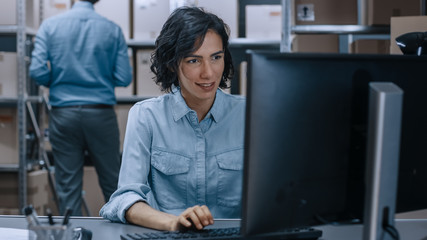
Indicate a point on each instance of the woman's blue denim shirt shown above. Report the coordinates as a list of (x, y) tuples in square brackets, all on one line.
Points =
[(172, 162)]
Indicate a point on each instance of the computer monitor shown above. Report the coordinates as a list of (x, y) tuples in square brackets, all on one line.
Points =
[(306, 135)]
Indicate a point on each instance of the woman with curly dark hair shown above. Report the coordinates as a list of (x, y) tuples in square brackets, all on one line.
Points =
[(183, 151)]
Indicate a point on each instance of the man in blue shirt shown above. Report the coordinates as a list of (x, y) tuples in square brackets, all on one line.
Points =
[(183, 151), (81, 56)]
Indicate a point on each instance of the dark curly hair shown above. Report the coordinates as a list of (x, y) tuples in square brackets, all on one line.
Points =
[(180, 37), (91, 1)]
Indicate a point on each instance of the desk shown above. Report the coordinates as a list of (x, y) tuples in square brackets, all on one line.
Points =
[(409, 229)]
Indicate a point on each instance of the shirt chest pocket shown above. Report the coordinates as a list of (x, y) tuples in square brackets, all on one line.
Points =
[(230, 174), (169, 179)]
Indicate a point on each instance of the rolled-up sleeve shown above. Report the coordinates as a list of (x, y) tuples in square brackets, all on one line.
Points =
[(122, 200), (133, 181), (39, 69)]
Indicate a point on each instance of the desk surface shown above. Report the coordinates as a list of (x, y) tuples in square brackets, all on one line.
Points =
[(409, 229)]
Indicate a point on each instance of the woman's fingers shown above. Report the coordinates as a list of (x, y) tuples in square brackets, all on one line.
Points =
[(198, 216), (195, 219), (204, 211)]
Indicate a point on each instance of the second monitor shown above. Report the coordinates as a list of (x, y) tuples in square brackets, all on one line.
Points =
[(306, 136)]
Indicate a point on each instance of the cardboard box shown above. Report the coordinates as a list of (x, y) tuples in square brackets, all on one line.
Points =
[(41, 210), (11, 211), (227, 10), (9, 74), (380, 11), (9, 147), (8, 13), (325, 12), (316, 43), (118, 13), (145, 85), (149, 17), (264, 22), (32, 13), (37, 189), (92, 191), (55, 7), (402, 25), (370, 46), (122, 111)]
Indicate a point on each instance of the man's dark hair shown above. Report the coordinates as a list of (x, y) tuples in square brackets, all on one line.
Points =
[(182, 34)]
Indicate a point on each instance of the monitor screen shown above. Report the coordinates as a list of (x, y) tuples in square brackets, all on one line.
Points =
[(306, 135)]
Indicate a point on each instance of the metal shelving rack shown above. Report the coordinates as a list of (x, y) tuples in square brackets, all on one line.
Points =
[(22, 117), (347, 33), (23, 102)]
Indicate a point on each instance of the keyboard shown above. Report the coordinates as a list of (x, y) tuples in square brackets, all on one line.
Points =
[(225, 233)]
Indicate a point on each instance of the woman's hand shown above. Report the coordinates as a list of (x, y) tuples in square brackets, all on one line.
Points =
[(196, 217)]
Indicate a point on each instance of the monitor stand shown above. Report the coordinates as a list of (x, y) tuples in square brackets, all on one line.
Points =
[(385, 111)]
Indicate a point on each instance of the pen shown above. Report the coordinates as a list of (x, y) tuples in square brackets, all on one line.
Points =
[(67, 216), (31, 216), (49, 215)]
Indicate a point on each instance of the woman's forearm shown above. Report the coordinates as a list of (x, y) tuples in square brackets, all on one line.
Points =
[(142, 214)]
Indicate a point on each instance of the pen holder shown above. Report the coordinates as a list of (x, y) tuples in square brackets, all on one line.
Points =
[(50, 232)]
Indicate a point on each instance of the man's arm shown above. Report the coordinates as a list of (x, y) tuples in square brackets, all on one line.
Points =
[(122, 70), (39, 68), (142, 214)]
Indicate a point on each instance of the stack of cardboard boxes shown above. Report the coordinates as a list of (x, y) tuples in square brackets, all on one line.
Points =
[(37, 189), (92, 194), (8, 77), (345, 12), (8, 136)]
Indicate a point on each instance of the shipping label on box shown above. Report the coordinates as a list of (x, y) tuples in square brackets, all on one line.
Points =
[(305, 12), (325, 12)]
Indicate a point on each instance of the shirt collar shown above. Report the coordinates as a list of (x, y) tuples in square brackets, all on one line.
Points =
[(83, 4), (180, 108)]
